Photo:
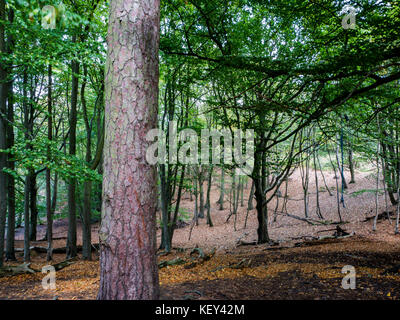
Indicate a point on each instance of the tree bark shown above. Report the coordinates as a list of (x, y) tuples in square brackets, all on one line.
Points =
[(128, 232)]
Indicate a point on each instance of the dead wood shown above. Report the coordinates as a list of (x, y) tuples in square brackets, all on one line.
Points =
[(16, 270), (201, 259), (244, 263), (26, 269), (173, 262)]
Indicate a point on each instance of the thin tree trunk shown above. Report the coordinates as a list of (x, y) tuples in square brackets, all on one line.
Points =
[(396, 231), (209, 220), (87, 185), (318, 209), (178, 201), (323, 176), (241, 192), (49, 214), (336, 177), (341, 169), (196, 204), (221, 197), (250, 203), (377, 189), (71, 238), (10, 251), (262, 213), (33, 207), (3, 133), (27, 254), (351, 165), (201, 190)]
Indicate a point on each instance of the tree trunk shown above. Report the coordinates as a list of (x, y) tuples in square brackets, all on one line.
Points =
[(128, 232), (209, 221), (262, 214), (10, 252), (201, 191), (71, 239), (351, 166), (3, 132), (221, 197), (49, 215), (27, 254), (33, 206), (87, 185)]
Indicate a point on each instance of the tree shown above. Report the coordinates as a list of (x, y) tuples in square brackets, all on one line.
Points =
[(3, 130), (128, 231)]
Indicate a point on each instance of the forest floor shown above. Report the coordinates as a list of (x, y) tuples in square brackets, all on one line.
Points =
[(296, 266)]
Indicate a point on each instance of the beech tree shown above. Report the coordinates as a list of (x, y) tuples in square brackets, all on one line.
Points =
[(128, 231)]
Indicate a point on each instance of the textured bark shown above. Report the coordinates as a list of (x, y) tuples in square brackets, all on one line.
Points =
[(128, 231)]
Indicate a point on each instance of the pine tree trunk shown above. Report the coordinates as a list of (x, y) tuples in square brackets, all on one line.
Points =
[(128, 232)]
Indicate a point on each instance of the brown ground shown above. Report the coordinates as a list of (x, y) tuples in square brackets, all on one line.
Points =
[(304, 272)]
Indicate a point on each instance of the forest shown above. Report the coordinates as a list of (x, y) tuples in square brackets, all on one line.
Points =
[(199, 150)]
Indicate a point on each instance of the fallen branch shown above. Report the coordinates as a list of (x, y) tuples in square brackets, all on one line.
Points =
[(63, 264), (25, 268), (16, 270), (381, 216), (244, 263), (244, 243), (60, 250), (310, 221), (202, 258), (173, 262)]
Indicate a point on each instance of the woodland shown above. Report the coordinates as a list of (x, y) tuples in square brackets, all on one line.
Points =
[(313, 85)]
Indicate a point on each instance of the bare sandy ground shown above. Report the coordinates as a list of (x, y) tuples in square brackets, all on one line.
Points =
[(357, 207), (224, 237)]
